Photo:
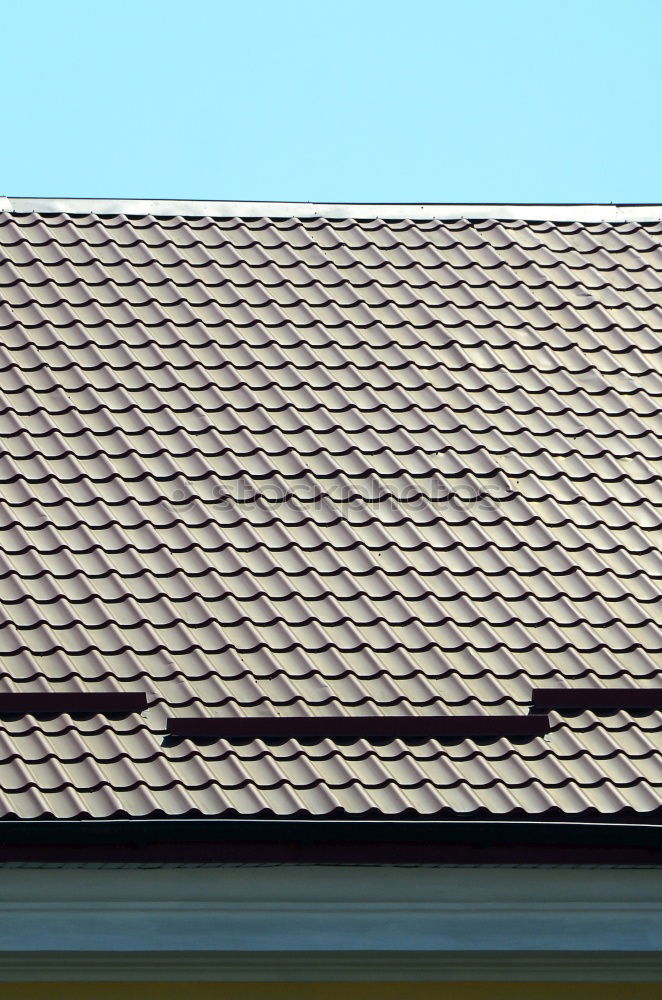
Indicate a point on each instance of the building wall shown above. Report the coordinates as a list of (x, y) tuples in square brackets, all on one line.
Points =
[(330, 933)]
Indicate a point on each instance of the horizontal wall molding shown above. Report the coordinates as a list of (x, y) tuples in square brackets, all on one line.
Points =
[(315, 967)]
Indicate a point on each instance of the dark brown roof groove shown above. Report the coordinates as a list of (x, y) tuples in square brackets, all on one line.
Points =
[(73, 703), (367, 727), (597, 700)]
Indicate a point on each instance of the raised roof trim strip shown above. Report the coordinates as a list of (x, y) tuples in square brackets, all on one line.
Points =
[(76, 703), (332, 210), (597, 699), (391, 727)]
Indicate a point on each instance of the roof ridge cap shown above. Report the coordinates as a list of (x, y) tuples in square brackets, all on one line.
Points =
[(415, 211)]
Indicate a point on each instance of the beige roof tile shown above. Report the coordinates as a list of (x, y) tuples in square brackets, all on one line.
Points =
[(307, 467)]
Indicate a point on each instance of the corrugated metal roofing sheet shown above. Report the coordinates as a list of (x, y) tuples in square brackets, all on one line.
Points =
[(304, 467)]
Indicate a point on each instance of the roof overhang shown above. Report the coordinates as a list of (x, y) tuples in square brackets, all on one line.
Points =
[(334, 210), (315, 841)]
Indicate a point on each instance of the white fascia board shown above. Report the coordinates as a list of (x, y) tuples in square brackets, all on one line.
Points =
[(325, 922), (315, 210)]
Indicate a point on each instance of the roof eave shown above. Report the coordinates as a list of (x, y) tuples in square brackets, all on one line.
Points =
[(331, 841)]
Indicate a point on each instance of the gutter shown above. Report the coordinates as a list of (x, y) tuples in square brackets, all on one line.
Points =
[(319, 841)]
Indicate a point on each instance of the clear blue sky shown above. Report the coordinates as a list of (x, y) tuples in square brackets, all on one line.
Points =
[(371, 100)]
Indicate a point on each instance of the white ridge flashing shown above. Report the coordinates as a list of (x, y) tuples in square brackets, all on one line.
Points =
[(331, 210)]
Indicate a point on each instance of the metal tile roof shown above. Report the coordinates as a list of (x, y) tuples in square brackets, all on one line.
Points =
[(303, 467)]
